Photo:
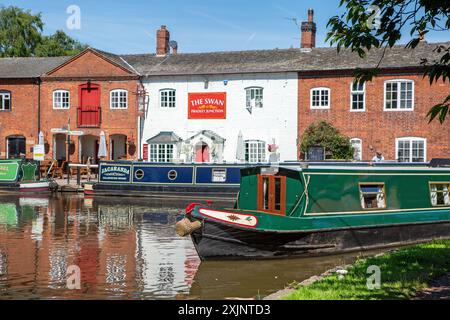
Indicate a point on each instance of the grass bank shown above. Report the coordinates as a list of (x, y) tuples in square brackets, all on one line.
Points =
[(404, 272)]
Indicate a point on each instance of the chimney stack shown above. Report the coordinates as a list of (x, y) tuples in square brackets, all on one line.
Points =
[(162, 41), (309, 31)]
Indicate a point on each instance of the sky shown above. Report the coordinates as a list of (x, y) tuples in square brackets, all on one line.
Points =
[(129, 26)]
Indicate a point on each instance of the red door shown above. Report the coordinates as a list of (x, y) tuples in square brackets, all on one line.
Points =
[(202, 153), (89, 109)]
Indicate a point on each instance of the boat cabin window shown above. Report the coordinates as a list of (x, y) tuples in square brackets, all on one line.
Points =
[(440, 194), (272, 194), (373, 196)]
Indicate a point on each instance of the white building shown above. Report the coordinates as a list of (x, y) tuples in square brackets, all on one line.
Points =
[(261, 109), (218, 107)]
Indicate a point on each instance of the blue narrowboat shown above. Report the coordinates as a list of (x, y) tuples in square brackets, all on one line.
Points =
[(171, 180)]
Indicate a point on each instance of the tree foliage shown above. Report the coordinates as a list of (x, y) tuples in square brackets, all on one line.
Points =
[(20, 32), (59, 44), (323, 134), (21, 36), (355, 30)]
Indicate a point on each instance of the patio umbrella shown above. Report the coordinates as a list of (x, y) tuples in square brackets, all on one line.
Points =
[(102, 152), (240, 147), (41, 138)]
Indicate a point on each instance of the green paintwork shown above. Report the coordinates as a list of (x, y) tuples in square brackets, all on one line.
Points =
[(29, 172), (333, 198), (9, 170)]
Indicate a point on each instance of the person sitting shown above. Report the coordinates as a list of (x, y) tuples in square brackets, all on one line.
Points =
[(378, 157)]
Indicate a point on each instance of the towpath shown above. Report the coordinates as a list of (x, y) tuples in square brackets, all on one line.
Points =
[(439, 290)]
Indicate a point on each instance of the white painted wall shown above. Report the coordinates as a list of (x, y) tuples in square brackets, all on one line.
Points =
[(276, 120)]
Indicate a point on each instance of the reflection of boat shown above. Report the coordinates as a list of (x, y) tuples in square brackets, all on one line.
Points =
[(168, 180), (318, 209), (8, 214)]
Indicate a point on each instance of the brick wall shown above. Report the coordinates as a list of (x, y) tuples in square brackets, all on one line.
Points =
[(378, 129), (22, 119)]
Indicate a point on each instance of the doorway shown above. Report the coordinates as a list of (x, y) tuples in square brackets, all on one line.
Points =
[(89, 146), (60, 147), (272, 194), (16, 147), (118, 147), (202, 153)]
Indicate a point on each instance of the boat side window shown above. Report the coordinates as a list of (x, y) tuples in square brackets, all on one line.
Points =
[(440, 194), (272, 194), (373, 196)]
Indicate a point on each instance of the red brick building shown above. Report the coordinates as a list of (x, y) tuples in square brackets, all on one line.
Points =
[(387, 114), (95, 91), (397, 127), (19, 103)]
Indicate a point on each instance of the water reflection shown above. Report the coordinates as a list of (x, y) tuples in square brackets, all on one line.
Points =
[(126, 249)]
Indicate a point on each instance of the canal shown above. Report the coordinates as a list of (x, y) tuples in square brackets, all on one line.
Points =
[(125, 249)]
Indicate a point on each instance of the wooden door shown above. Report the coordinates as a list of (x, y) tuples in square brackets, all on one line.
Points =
[(272, 194), (89, 109)]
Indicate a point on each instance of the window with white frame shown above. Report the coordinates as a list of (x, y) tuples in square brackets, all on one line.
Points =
[(357, 97), (440, 193), (320, 98), (167, 98), (398, 95), (61, 99), (118, 99), (255, 151), (254, 97), (411, 149), (161, 152), (5, 100), (357, 146)]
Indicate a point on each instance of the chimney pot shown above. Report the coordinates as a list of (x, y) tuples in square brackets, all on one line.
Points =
[(308, 30), (162, 41)]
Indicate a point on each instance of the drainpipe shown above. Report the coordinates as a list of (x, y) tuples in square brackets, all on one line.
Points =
[(39, 107)]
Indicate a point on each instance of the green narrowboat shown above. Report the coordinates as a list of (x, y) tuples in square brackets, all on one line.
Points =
[(21, 175), (315, 209)]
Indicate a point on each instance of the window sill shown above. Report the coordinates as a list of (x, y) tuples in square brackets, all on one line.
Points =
[(398, 110)]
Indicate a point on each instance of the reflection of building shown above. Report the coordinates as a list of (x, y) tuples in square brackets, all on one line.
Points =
[(121, 250)]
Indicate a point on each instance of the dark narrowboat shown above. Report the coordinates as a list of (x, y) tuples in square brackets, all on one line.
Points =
[(305, 210), (170, 180)]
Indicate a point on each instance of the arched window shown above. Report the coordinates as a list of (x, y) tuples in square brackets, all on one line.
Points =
[(399, 95), (61, 99), (320, 98), (357, 145), (167, 98), (5, 100), (411, 149), (118, 99)]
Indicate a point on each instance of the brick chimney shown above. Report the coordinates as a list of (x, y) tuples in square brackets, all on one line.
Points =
[(309, 31), (162, 41)]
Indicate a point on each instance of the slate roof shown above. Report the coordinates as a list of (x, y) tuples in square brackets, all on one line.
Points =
[(164, 137), (15, 68), (278, 60), (257, 61)]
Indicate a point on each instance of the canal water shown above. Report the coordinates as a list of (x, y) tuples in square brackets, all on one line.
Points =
[(125, 249)]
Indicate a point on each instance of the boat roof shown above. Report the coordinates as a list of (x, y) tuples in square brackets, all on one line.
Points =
[(350, 166)]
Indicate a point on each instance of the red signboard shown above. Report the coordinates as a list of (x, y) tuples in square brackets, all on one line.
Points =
[(207, 105), (145, 152)]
